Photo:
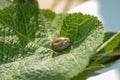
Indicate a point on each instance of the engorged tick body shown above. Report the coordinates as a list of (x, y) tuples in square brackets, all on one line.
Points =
[(60, 43)]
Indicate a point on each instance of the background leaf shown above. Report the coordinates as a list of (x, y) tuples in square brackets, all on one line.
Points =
[(109, 51), (113, 43)]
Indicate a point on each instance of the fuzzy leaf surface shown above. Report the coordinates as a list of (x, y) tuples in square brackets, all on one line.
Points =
[(26, 34)]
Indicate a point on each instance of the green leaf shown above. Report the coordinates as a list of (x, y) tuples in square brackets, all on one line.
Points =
[(108, 35), (109, 51), (112, 43), (26, 34), (109, 45)]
